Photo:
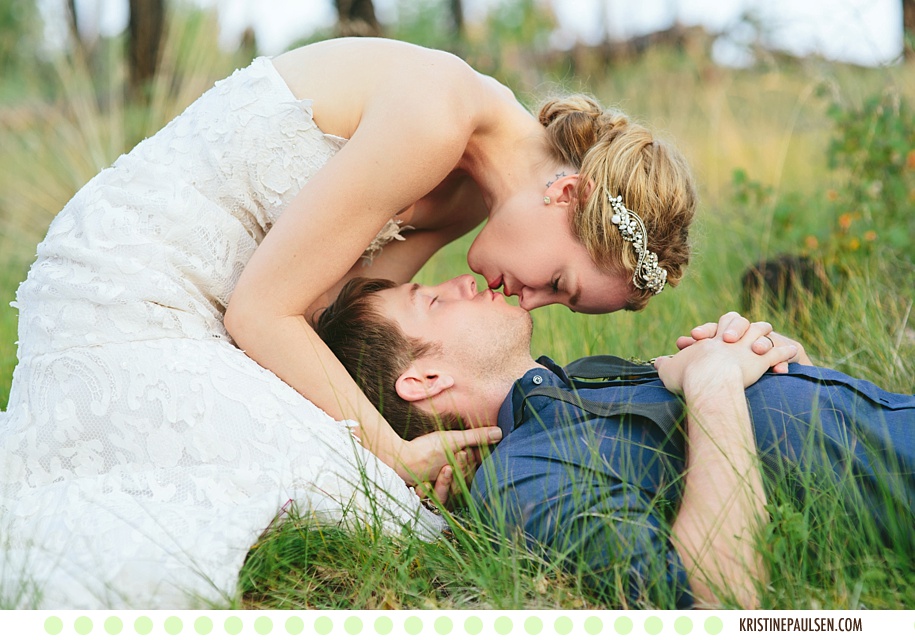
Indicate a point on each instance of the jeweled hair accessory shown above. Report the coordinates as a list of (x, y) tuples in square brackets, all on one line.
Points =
[(648, 275)]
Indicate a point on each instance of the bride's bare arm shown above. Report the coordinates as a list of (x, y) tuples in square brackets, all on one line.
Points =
[(407, 141), (723, 504)]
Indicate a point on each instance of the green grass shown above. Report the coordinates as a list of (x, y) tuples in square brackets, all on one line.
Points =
[(769, 122), (303, 566)]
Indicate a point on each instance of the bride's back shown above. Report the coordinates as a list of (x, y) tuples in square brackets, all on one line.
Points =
[(345, 76)]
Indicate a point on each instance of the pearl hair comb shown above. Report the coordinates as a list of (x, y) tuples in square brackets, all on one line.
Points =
[(648, 274)]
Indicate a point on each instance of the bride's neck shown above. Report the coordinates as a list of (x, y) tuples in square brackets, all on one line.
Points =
[(507, 157)]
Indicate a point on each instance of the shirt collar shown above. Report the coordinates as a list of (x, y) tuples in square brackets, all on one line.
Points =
[(552, 375)]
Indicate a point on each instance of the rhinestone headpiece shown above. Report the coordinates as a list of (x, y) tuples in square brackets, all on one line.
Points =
[(648, 275)]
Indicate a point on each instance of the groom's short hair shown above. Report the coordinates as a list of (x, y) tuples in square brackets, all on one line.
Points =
[(375, 351)]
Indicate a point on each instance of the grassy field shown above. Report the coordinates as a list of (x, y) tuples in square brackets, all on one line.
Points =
[(770, 122)]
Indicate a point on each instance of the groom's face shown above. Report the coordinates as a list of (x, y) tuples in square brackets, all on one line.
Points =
[(473, 327)]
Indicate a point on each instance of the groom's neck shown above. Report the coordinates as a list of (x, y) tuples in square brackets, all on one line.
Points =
[(488, 393)]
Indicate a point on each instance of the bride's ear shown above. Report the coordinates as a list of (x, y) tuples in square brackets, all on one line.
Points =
[(565, 189), (422, 382)]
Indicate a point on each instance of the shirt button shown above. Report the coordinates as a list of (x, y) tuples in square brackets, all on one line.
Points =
[(537, 379)]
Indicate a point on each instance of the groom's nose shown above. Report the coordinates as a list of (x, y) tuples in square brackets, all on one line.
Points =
[(466, 285)]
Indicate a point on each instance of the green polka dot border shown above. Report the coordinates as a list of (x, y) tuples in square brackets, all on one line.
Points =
[(263, 625), (143, 625), (443, 625), (533, 625), (653, 625), (623, 625), (437, 624), (323, 626), (563, 625), (352, 625), (173, 625), (683, 625), (233, 625), (83, 625), (413, 625), (53, 625), (113, 625), (294, 625), (383, 625), (203, 625), (503, 625), (473, 625), (713, 625)]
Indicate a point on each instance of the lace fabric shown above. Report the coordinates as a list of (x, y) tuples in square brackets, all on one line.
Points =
[(142, 453), (390, 231)]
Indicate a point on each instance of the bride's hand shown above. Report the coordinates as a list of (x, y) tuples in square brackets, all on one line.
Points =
[(421, 459), (710, 359), (446, 490)]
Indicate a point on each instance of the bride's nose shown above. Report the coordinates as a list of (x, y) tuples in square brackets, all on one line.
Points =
[(529, 299)]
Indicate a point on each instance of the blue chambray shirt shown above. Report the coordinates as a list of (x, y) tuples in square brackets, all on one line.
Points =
[(600, 493)]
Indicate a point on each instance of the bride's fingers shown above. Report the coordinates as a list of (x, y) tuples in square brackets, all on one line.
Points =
[(424, 490), (462, 439), (464, 465), (440, 490), (686, 341), (443, 484)]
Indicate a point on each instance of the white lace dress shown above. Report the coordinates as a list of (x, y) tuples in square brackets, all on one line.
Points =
[(142, 453)]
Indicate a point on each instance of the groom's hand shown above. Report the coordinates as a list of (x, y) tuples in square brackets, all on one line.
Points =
[(734, 328), (715, 362)]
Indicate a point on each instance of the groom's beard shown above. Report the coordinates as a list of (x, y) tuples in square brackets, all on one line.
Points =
[(500, 352)]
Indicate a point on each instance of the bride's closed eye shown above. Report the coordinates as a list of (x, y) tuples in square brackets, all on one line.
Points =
[(554, 284)]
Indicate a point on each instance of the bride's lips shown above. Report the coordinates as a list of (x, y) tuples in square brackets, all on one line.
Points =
[(495, 283)]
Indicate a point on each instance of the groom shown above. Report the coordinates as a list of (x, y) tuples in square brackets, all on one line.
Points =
[(593, 457)]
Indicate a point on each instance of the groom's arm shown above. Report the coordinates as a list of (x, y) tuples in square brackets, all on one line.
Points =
[(723, 499), (724, 503)]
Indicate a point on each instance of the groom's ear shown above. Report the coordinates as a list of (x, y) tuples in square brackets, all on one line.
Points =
[(421, 382)]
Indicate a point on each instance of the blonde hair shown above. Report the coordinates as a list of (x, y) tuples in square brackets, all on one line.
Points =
[(620, 157)]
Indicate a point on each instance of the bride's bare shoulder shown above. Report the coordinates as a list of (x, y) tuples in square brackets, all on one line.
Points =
[(370, 59), (353, 73)]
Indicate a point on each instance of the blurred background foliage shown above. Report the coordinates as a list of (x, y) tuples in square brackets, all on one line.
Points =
[(807, 177), (806, 167)]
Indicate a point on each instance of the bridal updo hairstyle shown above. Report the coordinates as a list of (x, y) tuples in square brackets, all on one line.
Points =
[(620, 157)]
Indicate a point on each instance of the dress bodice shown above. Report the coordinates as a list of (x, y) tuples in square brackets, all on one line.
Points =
[(154, 245)]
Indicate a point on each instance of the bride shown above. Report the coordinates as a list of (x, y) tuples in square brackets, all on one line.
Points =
[(171, 394)]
